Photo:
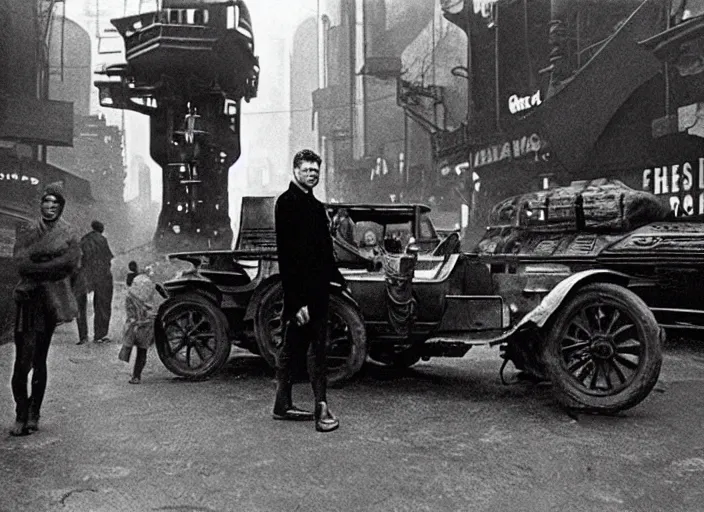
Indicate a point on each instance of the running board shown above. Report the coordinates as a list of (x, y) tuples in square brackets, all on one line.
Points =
[(452, 347)]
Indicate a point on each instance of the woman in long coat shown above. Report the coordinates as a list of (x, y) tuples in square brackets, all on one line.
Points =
[(48, 255)]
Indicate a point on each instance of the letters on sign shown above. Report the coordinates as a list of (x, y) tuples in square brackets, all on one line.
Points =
[(517, 148), (484, 7), (682, 183), (14, 176), (518, 104)]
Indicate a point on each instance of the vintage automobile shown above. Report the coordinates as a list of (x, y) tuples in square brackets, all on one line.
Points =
[(568, 319)]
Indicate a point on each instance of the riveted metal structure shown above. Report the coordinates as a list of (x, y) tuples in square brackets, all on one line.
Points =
[(189, 65)]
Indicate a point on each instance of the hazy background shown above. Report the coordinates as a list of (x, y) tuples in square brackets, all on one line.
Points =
[(274, 22)]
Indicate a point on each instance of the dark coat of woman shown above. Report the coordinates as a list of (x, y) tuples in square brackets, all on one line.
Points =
[(48, 256)]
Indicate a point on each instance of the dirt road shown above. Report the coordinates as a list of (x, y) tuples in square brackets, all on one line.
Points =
[(444, 435)]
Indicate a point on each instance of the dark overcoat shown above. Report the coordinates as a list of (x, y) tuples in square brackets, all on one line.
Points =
[(305, 252)]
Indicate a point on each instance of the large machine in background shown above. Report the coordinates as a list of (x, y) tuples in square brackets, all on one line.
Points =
[(189, 65)]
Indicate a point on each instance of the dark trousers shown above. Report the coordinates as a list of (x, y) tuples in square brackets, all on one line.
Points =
[(102, 309), (299, 341), (31, 351)]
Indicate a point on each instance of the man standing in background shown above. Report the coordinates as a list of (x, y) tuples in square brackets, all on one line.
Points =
[(96, 260)]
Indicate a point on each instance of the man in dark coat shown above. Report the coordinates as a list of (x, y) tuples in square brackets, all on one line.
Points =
[(307, 266), (95, 267)]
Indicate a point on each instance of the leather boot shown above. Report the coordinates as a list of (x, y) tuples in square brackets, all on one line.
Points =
[(324, 419), (33, 417), (284, 408)]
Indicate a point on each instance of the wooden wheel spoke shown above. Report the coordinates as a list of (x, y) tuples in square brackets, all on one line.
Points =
[(578, 365), (626, 362), (582, 327), (586, 321), (188, 355), (178, 348), (195, 327), (614, 319), (622, 329), (595, 376), (617, 371), (598, 315), (170, 335), (630, 346), (585, 371), (577, 346), (199, 350), (607, 375)]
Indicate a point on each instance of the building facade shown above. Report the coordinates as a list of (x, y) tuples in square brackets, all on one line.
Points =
[(461, 103), (360, 125), (569, 90)]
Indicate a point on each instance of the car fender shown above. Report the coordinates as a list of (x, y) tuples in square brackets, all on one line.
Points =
[(556, 297), (193, 282), (255, 299)]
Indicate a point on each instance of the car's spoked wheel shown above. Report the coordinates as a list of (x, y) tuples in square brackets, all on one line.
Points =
[(601, 349), (192, 339), (603, 353), (346, 344), (268, 326), (339, 344)]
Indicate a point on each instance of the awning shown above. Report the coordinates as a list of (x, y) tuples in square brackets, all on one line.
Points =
[(574, 118), (29, 120)]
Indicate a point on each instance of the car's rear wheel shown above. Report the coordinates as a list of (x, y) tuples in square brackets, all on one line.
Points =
[(346, 343), (191, 336), (603, 351)]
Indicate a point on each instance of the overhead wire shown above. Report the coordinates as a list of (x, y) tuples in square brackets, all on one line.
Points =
[(329, 107)]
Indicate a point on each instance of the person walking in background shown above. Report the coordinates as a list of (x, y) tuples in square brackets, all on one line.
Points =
[(140, 308), (133, 272), (80, 290), (47, 254), (307, 266), (97, 257)]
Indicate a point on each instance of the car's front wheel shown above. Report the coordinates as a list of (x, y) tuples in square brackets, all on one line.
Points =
[(603, 351), (191, 336), (346, 337)]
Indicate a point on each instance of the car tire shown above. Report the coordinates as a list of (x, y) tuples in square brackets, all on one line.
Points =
[(603, 350), (347, 341), (191, 336)]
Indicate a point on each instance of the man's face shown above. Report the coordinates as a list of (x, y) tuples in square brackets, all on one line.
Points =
[(307, 175), (50, 207)]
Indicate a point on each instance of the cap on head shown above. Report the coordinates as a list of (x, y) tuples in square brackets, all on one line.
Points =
[(57, 190), (98, 226)]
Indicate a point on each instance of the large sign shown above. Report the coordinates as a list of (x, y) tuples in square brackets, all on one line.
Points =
[(682, 183), (528, 145)]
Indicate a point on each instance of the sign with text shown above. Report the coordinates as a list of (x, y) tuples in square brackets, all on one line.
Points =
[(528, 145), (682, 183)]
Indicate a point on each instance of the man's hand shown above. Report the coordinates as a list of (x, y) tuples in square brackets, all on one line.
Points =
[(303, 317)]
